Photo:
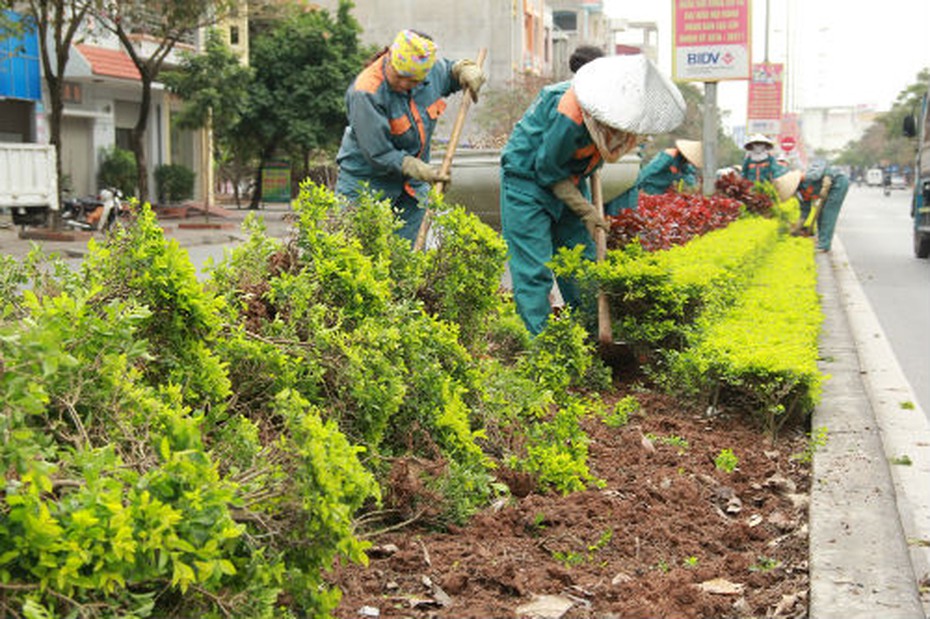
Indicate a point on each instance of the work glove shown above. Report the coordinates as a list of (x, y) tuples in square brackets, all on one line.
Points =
[(414, 167), (470, 76), (568, 192)]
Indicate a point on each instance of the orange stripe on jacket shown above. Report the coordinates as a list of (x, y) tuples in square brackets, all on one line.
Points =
[(569, 106), (400, 126), (420, 128), (371, 77)]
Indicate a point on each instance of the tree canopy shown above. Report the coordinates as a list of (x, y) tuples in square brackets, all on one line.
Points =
[(302, 67), (884, 142)]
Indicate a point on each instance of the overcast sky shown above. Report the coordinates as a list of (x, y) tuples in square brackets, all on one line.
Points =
[(837, 52)]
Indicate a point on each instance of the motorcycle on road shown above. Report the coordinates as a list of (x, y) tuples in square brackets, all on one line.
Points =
[(93, 213)]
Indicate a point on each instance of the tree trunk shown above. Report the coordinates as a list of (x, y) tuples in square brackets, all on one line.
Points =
[(257, 190), (257, 193), (137, 139)]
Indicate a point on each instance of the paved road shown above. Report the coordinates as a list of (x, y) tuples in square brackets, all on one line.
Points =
[(876, 233)]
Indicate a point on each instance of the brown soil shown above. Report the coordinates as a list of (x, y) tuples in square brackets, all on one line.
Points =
[(668, 535)]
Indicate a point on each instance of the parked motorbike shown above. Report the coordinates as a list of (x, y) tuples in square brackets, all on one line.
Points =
[(93, 213)]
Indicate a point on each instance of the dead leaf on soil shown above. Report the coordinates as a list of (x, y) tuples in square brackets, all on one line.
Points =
[(383, 551), (790, 604), (545, 607), (781, 484), (621, 578), (734, 505), (798, 501), (780, 521), (721, 586), (439, 596)]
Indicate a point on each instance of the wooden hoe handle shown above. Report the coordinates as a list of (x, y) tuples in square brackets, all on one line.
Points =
[(450, 153)]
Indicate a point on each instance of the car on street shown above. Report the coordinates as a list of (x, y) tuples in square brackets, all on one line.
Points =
[(898, 181), (873, 178)]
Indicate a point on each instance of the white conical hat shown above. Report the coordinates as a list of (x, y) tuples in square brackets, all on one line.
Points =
[(787, 184), (692, 151), (629, 93)]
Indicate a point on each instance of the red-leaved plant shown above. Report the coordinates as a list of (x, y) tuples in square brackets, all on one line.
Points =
[(668, 219), (672, 218)]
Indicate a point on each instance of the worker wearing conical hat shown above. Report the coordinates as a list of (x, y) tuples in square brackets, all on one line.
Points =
[(563, 138), (819, 182), (760, 164), (677, 167), (393, 107)]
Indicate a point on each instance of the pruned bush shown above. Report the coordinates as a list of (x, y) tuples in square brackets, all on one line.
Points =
[(174, 182), (118, 169), (764, 348)]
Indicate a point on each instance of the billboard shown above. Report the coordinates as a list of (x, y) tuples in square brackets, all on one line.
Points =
[(763, 113), (710, 40)]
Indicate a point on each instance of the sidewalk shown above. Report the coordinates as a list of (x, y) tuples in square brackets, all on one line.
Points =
[(870, 492), (222, 225), (869, 510)]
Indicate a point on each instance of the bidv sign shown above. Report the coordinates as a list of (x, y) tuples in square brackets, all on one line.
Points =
[(720, 62), (708, 58)]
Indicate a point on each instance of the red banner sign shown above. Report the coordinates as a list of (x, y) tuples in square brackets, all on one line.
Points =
[(711, 40), (763, 114)]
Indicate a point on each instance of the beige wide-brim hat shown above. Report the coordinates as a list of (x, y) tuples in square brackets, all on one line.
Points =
[(692, 150), (629, 93), (787, 184)]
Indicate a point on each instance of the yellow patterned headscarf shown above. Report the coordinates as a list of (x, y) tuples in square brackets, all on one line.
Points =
[(412, 54)]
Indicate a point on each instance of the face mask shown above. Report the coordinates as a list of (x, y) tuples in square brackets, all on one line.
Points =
[(758, 152), (611, 143)]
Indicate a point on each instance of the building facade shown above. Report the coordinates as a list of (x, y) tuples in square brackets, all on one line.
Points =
[(102, 95)]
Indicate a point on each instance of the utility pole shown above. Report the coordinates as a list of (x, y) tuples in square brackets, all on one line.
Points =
[(766, 59), (709, 138)]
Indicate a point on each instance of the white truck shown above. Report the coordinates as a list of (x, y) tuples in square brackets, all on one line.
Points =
[(28, 182)]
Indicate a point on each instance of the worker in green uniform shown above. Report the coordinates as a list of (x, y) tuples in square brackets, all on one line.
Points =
[(393, 108), (760, 164), (566, 135), (677, 167), (819, 182)]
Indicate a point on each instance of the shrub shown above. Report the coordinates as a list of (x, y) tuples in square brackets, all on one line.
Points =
[(463, 272), (118, 169), (174, 182), (557, 450), (655, 297), (130, 491), (765, 347)]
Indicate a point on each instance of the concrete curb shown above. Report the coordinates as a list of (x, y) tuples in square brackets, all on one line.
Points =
[(867, 516)]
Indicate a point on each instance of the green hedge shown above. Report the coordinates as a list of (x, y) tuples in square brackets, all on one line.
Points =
[(655, 298), (764, 348), (175, 182)]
